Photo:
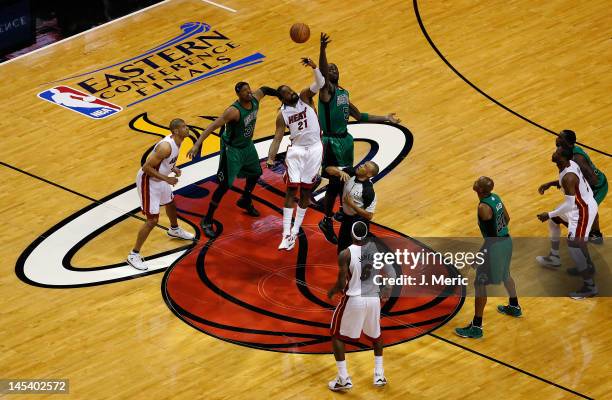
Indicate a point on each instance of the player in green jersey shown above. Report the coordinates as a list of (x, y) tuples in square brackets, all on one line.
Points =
[(493, 221), (596, 179), (238, 157), (334, 111)]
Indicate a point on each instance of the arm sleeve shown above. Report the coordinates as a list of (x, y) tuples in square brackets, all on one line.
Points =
[(268, 91), (564, 208), (319, 81)]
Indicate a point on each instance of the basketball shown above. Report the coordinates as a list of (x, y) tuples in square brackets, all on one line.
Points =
[(299, 32)]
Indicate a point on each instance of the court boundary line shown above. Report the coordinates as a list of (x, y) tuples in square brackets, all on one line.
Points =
[(505, 364), (482, 92), (220, 6), (104, 25)]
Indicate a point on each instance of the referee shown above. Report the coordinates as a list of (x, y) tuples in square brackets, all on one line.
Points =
[(358, 197)]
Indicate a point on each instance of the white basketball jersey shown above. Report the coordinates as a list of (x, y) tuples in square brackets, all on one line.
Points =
[(353, 287), (165, 167), (303, 124), (583, 191)]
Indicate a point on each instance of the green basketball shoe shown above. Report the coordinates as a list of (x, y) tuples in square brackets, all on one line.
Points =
[(470, 331), (510, 310)]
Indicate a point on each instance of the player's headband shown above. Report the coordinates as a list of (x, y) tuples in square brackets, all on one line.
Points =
[(359, 230), (239, 86)]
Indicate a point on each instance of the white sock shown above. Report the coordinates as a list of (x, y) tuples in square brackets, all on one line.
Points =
[(342, 372), (378, 365), (299, 217), (287, 215), (554, 252)]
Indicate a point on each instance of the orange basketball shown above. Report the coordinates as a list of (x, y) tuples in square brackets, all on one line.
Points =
[(299, 32)]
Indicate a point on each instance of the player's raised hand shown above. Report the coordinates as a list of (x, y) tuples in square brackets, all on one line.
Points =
[(193, 151), (325, 40), (307, 62), (392, 118)]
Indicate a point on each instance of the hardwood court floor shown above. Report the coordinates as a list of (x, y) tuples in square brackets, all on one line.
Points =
[(548, 61)]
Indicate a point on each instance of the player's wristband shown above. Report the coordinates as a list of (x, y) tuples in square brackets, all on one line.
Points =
[(365, 117)]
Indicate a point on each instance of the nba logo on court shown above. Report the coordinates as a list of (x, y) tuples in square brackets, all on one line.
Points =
[(80, 102)]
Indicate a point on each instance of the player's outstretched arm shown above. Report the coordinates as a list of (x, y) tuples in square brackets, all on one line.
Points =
[(307, 94), (365, 117), (545, 186), (278, 136), (569, 183), (265, 91), (230, 114), (335, 171), (150, 166), (323, 65)]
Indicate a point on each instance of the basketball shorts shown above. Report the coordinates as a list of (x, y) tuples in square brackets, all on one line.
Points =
[(338, 152), (356, 314), (237, 162), (579, 222), (303, 165), (601, 190), (497, 258), (152, 194)]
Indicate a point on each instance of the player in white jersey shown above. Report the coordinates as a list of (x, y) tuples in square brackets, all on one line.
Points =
[(359, 307), (154, 185), (304, 154), (577, 212)]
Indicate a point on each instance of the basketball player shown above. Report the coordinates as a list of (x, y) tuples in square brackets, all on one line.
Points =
[(493, 221), (303, 158), (578, 212), (358, 197), (596, 179), (334, 111), (154, 185), (238, 157), (359, 307)]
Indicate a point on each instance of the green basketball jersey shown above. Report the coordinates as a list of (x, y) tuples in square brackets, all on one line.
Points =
[(240, 133), (496, 226), (600, 176), (334, 115)]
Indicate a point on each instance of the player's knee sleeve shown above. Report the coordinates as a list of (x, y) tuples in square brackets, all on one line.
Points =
[(555, 230)]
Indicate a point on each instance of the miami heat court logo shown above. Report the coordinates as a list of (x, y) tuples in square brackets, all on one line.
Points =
[(238, 287), (199, 52)]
